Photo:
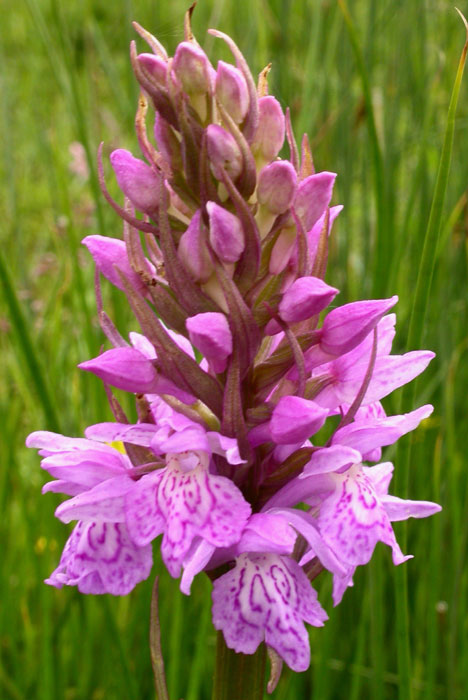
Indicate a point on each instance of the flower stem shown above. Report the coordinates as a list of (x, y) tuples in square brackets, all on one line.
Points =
[(238, 675)]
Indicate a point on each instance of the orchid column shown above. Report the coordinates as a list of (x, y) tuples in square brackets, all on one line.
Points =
[(253, 396)]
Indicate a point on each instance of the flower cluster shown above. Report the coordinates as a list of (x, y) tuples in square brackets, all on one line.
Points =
[(254, 397)]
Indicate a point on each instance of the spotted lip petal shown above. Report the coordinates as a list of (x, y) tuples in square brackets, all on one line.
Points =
[(100, 558), (353, 519), (185, 502), (267, 597)]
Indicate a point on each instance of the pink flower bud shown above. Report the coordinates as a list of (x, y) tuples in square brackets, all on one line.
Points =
[(223, 152), (269, 135), (111, 252), (313, 197), (193, 252), (226, 233), (124, 368), (277, 186), (192, 68), (210, 333), (155, 66), (295, 419), (306, 297), (343, 328), (136, 180), (231, 91)]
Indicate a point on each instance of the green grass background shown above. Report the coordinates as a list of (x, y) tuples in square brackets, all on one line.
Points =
[(65, 78)]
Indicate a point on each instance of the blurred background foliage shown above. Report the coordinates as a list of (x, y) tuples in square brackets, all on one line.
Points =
[(66, 85)]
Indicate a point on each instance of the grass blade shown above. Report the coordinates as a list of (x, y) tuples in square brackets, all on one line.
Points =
[(20, 325), (415, 336)]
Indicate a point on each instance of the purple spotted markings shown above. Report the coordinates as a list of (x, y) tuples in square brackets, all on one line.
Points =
[(100, 557), (240, 367), (267, 597), (185, 503)]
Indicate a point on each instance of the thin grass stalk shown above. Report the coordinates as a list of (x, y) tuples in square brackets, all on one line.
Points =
[(434, 587), (434, 227), (415, 336), (175, 670), (47, 677), (127, 677), (20, 325), (381, 244), (377, 625), (358, 659)]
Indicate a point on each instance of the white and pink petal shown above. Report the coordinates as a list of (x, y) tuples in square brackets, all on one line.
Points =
[(267, 597), (142, 512), (352, 519), (103, 502), (100, 558), (196, 503)]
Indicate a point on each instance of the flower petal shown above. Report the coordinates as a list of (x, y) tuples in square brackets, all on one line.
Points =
[(142, 512), (104, 502), (352, 520), (400, 509), (366, 436), (100, 558), (295, 419), (330, 459), (185, 505), (267, 597), (198, 504)]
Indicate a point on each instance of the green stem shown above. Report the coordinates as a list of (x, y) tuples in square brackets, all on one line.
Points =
[(238, 675)]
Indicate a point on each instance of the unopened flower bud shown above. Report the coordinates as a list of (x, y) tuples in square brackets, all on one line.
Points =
[(306, 297), (111, 253), (155, 66), (226, 233), (136, 180), (192, 68), (313, 197), (231, 91), (210, 333), (193, 252), (295, 419), (345, 327), (223, 152), (124, 368), (277, 186), (269, 136)]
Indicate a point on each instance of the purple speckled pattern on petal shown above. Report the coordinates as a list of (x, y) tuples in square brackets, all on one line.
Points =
[(352, 519), (142, 513), (267, 597), (185, 501), (196, 503), (100, 558)]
